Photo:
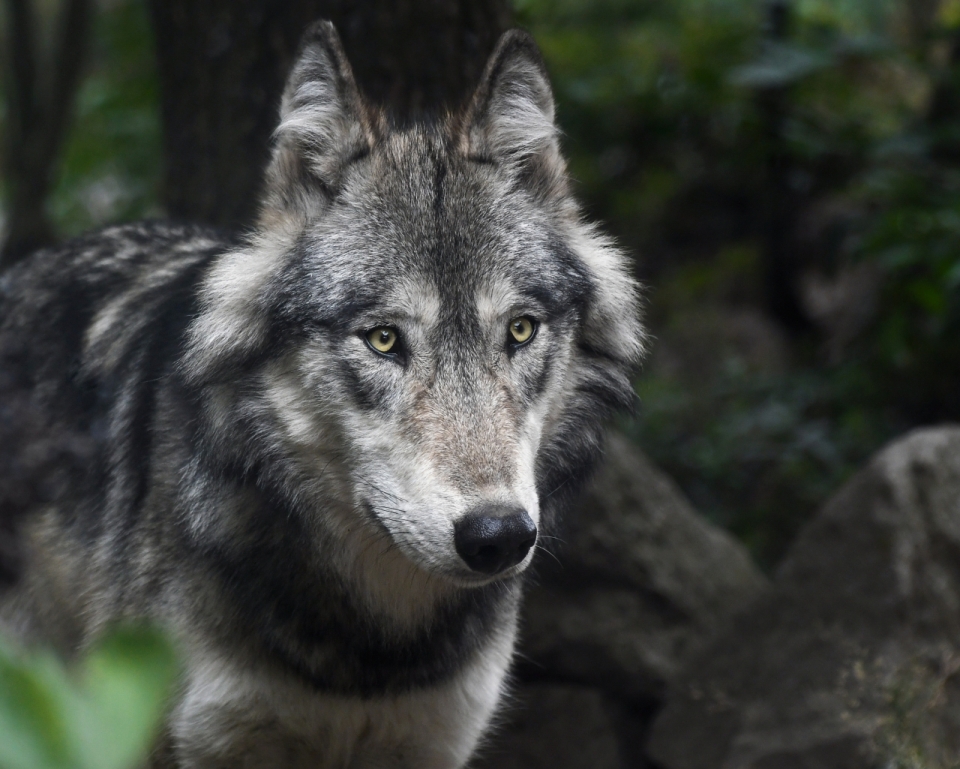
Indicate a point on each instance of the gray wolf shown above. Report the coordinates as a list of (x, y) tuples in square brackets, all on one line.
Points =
[(325, 451)]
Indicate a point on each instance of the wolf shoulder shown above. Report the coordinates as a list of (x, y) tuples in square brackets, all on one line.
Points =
[(95, 284), (85, 327)]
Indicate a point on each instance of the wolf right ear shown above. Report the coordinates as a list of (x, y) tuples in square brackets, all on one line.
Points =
[(323, 124), (510, 120)]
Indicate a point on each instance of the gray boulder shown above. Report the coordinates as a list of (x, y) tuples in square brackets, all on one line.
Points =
[(852, 661), (638, 583)]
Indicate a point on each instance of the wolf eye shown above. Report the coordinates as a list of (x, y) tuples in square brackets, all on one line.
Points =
[(522, 330), (382, 339)]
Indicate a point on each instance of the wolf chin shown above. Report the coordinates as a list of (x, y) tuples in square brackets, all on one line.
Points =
[(324, 452)]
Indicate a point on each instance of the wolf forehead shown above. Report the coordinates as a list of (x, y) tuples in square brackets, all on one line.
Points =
[(413, 215)]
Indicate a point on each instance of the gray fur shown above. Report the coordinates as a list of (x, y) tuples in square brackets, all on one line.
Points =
[(278, 494)]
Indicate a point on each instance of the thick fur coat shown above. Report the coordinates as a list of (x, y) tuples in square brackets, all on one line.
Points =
[(291, 428)]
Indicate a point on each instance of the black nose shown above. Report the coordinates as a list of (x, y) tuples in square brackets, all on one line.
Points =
[(494, 537)]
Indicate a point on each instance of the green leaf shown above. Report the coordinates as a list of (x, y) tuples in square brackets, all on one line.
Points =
[(103, 718), (126, 681), (35, 698)]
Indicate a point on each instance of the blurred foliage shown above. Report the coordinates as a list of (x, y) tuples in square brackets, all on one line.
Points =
[(659, 101), (112, 161), (759, 454), (914, 345), (757, 439), (102, 713), (111, 168), (644, 99)]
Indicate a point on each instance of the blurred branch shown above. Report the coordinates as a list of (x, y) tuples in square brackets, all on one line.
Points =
[(781, 264), (41, 101)]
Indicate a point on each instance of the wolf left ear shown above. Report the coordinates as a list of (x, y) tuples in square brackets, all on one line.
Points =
[(510, 119), (323, 124)]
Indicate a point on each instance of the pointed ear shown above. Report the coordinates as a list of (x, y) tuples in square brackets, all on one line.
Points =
[(324, 123), (510, 119)]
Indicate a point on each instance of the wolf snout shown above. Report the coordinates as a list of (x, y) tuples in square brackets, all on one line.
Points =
[(494, 538)]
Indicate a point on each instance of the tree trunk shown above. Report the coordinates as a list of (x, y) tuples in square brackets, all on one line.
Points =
[(41, 91), (223, 63)]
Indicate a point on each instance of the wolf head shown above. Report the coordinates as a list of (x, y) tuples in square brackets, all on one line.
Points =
[(420, 340)]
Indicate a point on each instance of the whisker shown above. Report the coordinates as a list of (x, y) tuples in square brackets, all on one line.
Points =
[(379, 490), (542, 549), (550, 536), (557, 488)]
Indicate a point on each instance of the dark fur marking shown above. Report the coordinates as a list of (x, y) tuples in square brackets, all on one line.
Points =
[(163, 344), (539, 383), (71, 284), (306, 621), (361, 392)]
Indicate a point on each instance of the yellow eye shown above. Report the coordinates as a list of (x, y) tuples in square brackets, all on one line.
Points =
[(521, 329), (382, 339)]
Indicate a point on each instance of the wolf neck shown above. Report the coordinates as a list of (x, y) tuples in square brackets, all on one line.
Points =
[(367, 627)]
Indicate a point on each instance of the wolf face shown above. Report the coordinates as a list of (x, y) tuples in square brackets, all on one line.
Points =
[(436, 334)]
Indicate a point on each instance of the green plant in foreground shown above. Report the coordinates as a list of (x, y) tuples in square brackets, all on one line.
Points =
[(101, 713)]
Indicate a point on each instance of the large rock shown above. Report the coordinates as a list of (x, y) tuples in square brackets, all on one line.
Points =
[(852, 661), (639, 582)]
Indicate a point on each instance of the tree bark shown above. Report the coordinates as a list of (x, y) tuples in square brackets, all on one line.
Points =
[(41, 95), (223, 63)]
